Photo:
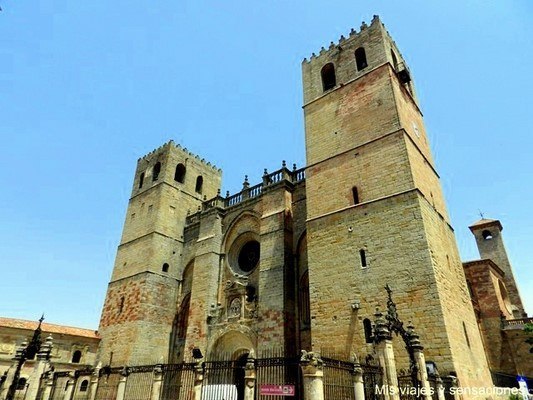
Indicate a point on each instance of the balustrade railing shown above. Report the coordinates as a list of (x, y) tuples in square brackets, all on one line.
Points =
[(269, 179), (518, 322)]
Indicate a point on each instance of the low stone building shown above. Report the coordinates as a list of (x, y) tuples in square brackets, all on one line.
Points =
[(73, 348)]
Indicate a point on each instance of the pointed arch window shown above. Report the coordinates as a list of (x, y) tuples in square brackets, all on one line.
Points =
[(141, 180), (329, 81), (179, 175), (360, 58)]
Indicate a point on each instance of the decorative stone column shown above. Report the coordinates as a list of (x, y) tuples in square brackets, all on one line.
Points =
[(313, 375), (358, 381), (157, 382), (70, 387), (198, 381), (94, 381), (452, 382), (48, 384), (245, 188), (42, 361), (11, 372), (385, 354), (414, 343), (249, 377), (439, 388), (121, 389)]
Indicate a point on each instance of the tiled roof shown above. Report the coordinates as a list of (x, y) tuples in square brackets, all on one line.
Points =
[(486, 222), (48, 328), (484, 261)]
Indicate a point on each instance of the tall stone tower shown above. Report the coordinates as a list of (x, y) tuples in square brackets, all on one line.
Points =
[(488, 234), (144, 290), (376, 214)]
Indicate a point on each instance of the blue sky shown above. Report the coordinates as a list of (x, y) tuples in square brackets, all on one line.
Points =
[(88, 87)]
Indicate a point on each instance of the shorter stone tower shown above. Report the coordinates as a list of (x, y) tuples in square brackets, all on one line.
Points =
[(488, 234), (141, 301)]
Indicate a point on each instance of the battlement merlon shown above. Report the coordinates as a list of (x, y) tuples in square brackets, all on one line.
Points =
[(171, 145), (351, 58), (342, 40), (176, 166), (375, 23)]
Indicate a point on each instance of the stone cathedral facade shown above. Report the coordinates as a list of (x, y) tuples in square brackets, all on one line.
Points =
[(300, 260)]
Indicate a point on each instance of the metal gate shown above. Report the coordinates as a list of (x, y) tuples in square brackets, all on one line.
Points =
[(178, 381), (223, 380), (338, 379), (107, 383), (373, 382), (139, 383), (278, 371)]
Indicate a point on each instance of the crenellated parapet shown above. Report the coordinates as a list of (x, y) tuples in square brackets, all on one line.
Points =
[(170, 144), (350, 58), (342, 40)]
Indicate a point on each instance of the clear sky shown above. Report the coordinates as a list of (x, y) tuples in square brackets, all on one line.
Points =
[(87, 87)]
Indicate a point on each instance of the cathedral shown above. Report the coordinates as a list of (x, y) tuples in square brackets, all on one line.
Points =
[(299, 260)]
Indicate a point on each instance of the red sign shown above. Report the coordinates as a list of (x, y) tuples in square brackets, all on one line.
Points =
[(276, 390)]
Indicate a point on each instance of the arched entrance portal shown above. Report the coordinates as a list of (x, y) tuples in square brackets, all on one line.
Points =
[(225, 367), (230, 346)]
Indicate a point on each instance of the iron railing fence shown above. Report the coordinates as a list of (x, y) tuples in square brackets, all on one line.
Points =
[(338, 379), (501, 379), (222, 379), (408, 389), (108, 383), (139, 383), (283, 372), (433, 386), (178, 381), (275, 374), (373, 382)]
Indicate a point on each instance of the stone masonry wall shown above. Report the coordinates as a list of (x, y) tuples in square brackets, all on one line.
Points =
[(372, 38), (377, 169), (397, 254), (459, 321), (139, 330), (350, 115), (493, 248)]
